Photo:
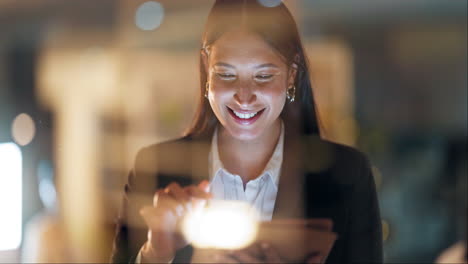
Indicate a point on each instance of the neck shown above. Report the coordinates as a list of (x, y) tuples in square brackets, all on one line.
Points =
[(248, 158)]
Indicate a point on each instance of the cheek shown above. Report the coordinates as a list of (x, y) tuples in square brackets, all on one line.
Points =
[(219, 97), (220, 94), (219, 88), (276, 96)]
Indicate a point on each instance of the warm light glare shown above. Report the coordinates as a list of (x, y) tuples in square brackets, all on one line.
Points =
[(149, 15), (222, 225), (10, 196), (23, 129)]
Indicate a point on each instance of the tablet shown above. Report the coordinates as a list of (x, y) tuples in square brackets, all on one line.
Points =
[(294, 239)]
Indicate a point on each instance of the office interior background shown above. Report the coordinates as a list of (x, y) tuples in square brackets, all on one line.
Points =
[(85, 84)]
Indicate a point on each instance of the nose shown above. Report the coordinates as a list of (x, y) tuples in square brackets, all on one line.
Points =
[(245, 94)]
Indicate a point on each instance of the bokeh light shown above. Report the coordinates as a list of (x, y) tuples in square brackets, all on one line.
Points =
[(23, 129), (222, 225), (270, 3), (149, 15), (47, 192), (385, 230)]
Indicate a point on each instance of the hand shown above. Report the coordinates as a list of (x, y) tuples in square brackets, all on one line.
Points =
[(260, 252), (170, 205)]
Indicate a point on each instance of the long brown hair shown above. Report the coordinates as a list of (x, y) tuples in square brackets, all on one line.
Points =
[(277, 27)]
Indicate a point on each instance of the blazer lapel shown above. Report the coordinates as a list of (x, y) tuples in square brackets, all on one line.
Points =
[(309, 191), (289, 200)]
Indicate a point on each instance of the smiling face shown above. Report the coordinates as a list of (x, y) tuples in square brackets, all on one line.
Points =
[(247, 84)]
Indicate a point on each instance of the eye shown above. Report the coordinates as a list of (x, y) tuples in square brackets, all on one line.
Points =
[(263, 77), (226, 76)]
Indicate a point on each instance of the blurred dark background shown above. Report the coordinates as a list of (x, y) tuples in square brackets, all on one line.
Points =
[(404, 66)]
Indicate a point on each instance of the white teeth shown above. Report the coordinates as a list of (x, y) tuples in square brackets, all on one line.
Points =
[(244, 116)]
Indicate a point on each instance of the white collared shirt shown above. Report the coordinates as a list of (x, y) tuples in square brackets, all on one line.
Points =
[(260, 193)]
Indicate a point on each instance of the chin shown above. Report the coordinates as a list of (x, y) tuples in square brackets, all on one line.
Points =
[(244, 135)]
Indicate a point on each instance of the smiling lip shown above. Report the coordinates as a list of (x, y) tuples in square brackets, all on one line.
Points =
[(245, 121)]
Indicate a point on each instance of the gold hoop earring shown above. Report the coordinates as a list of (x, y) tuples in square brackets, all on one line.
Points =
[(291, 96), (207, 88)]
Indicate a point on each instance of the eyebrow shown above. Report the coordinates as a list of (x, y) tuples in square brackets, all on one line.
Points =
[(223, 64), (265, 65)]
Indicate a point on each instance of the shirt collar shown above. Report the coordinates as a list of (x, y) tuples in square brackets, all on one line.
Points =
[(272, 168), (214, 161)]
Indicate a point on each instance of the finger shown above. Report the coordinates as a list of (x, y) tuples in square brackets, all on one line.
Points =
[(196, 192), (165, 200), (199, 197), (245, 257), (157, 195), (177, 192), (270, 253), (204, 185), (162, 196)]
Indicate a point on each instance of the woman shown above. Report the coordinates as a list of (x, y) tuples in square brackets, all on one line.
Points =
[(255, 138)]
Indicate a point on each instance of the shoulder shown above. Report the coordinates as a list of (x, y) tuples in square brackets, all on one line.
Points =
[(347, 163), (149, 156), (162, 147), (314, 147), (348, 153), (176, 156)]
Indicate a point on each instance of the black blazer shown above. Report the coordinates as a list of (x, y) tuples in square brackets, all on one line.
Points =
[(318, 179)]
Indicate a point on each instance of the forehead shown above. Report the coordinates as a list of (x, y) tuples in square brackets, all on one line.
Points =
[(240, 47)]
